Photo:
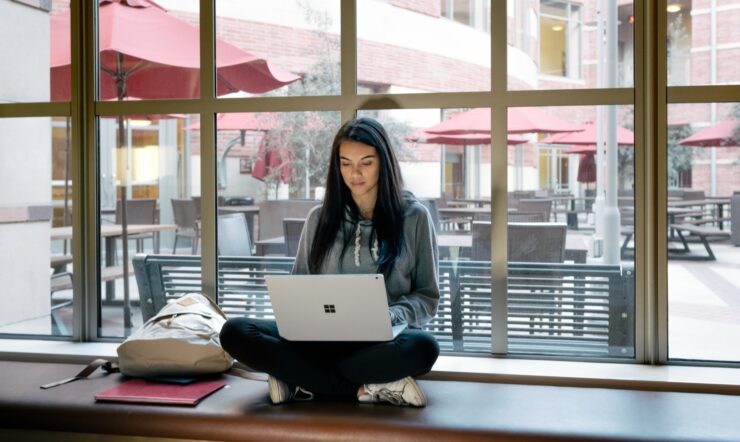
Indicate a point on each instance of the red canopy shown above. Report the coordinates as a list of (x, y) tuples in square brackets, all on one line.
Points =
[(589, 136), (586, 148), (460, 139), (723, 134), (523, 120), (520, 120), (243, 121), (157, 56)]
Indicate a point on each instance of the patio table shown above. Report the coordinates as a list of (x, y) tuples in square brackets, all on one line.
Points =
[(457, 245), (719, 203), (111, 232)]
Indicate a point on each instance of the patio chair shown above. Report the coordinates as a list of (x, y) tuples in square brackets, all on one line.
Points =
[(233, 235), (220, 201), (735, 219), (693, 195), (481, 250), (536, 242), (292, 229), (517, 195), (528, 242), (675, 193), (185, 213), (143, 211), (59, 281), (542, 205), (526, 217), (431, 206), (272, 213)]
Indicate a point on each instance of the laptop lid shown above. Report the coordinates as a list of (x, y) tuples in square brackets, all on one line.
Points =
[(331, 307)]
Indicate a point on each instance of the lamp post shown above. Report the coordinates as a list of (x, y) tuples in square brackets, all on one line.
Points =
[(612, 251)]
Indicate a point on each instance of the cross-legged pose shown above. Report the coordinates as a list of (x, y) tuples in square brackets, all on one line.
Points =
[(366, 224)]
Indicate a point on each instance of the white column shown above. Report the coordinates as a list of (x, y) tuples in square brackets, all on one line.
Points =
[(600, 81), (713, 80), (611, 212)]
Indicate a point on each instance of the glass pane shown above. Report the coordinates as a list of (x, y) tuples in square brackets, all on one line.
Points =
[(149, 50), (704, 231), (450, 174), (570, 231), (35, 224), (152, 163), (407, 47), (40, 29), (298, 40), (461, 11), (703, 42), (553, 44), (271, 172)]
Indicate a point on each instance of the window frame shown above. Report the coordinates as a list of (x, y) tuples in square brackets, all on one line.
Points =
[(649, 95)]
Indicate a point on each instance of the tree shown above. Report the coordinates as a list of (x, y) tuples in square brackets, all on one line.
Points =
[(680, 158), (735, 115), (678, 47), (304, 139)]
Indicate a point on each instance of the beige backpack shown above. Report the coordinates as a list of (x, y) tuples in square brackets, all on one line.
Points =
[(182, 339)]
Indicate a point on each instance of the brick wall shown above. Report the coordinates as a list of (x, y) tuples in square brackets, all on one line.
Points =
[(428, 7)]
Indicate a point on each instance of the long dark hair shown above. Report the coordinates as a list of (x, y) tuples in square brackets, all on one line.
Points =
[(389, 207)]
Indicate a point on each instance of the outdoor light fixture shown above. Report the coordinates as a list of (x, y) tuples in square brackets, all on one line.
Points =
[(140, 123), (673, 7), (557, 28)]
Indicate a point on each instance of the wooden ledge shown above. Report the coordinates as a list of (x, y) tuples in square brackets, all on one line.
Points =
[(456, 411)]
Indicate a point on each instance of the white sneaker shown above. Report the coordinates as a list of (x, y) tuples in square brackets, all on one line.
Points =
[(401, 392), (281, 391)]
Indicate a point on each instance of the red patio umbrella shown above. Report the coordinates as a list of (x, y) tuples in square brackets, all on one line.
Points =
[(269, 161), (588, 136), (587, 168), (520, 120), (586, 148), (241, 121), (523, 120), (723, 134), (460, 139), (149, 54)]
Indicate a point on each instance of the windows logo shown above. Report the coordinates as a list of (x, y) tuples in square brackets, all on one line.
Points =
[(329, 308)]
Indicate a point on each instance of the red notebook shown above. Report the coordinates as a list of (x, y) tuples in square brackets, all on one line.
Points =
[(149, 392)]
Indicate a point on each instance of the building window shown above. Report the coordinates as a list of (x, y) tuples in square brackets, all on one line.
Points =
[(560, 39), (475, 13)]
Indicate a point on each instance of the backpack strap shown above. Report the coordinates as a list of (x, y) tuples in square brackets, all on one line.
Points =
[(107, 366)]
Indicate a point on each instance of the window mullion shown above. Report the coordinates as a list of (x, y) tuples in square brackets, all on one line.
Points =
[(85, 170), (499, 78), (208, 148), (348, 58)]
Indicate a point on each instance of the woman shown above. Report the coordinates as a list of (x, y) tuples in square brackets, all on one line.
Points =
[(367, 224)]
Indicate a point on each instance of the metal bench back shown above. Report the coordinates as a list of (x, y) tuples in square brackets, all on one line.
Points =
[(552, 308)]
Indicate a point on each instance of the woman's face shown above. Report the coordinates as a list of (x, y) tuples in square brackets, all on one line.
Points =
[(360, 167)]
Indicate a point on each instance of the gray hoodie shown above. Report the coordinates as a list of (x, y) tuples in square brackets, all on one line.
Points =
[(413, 293)]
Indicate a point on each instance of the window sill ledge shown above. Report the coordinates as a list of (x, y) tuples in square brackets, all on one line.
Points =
[(465, 368)]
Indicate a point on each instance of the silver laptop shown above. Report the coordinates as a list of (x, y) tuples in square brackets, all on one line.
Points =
[(331, 307)]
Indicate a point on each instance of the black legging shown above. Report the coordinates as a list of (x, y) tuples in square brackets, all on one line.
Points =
[(331, 369)]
